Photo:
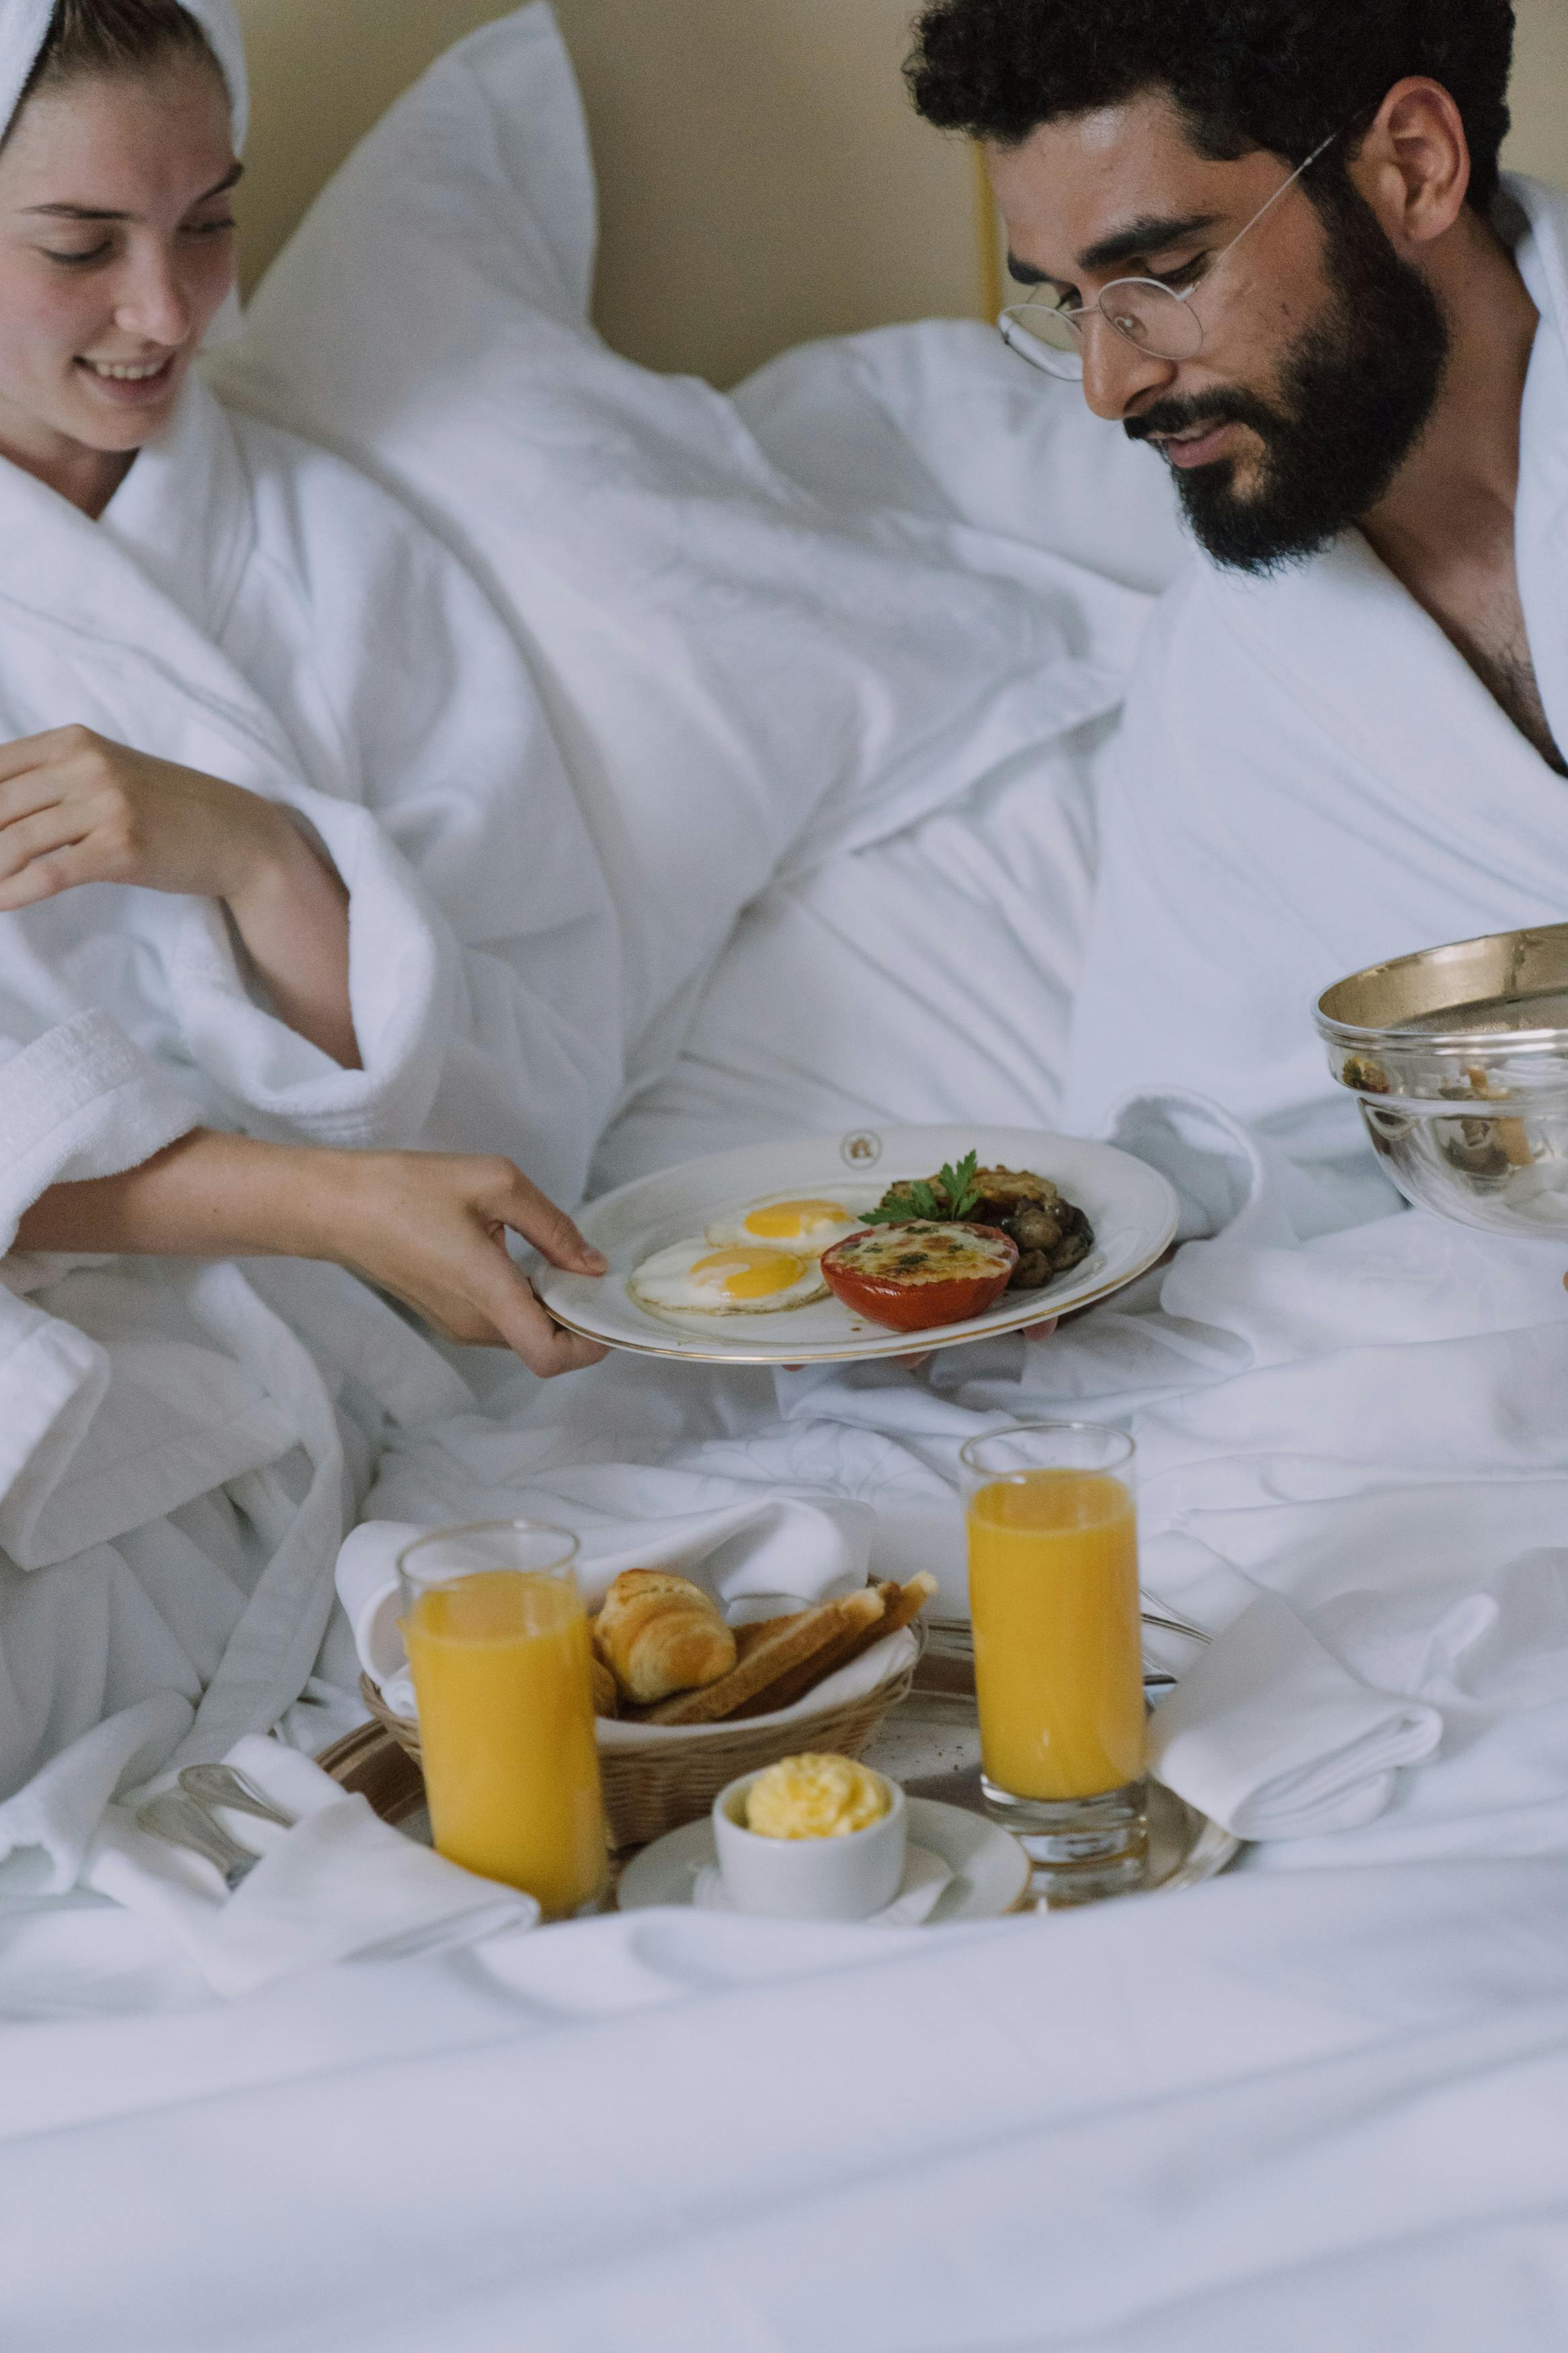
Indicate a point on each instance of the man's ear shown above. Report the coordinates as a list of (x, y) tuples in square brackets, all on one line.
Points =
[(1414, 166)]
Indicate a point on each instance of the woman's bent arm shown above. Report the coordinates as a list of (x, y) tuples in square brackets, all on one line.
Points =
[(74, 809), (430, 1228)]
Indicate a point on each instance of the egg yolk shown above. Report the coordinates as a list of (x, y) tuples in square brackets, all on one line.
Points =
[(791, 1220), (750, 1274)]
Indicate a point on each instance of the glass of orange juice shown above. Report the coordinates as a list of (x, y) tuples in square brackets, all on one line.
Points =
[(499, 1649), (1058, 1654)]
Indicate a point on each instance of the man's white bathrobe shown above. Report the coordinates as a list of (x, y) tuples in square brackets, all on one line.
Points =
[(1311, 779), (180, 1445)]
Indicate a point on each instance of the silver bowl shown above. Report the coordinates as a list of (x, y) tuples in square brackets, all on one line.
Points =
[(1459, 1060)]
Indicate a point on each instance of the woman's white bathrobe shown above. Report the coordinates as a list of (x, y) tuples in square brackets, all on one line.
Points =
[(180, 1444)]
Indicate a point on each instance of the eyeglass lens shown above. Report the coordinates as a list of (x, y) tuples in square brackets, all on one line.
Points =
[(1144, 313)]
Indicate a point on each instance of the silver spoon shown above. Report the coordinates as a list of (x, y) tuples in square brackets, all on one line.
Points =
[(1176, 1626), (178, 1819), (221, 1785)]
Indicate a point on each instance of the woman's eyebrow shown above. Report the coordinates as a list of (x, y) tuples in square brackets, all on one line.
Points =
[(231, 179), (1151, 234)]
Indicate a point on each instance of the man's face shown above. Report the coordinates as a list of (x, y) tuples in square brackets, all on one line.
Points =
[(1322, 351)]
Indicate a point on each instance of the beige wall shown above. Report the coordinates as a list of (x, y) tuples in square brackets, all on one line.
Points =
[(763, 179), (1540, 140)]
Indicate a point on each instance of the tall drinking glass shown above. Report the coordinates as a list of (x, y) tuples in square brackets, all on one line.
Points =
[(1059, 1669), (499, 1649)]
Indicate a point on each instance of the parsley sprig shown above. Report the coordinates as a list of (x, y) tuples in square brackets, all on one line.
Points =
[(957, 1196)]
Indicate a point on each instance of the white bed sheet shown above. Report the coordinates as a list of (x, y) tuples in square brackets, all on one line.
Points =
[(1296, 2114)]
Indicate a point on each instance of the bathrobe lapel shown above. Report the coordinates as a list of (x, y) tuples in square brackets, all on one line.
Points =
[(83, 603)]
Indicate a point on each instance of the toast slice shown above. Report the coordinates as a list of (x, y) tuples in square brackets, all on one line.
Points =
[(779, 1646), (900, 1605)]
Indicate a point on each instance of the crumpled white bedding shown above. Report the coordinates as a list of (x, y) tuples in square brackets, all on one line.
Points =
[(1322, 2110), (747, 679), (930, 975)]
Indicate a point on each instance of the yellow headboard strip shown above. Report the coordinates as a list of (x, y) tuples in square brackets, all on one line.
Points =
[(990, 240)]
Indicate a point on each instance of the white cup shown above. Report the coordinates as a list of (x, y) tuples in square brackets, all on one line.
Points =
[(845, 1878)]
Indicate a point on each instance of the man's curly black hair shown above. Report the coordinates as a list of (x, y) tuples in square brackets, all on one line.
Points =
[(1246, 74)]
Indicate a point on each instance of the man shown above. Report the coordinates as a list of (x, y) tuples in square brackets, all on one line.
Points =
[(1271, 238)]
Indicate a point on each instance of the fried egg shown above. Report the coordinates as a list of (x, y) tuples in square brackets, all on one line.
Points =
[(692, 1278), (792, 1223)]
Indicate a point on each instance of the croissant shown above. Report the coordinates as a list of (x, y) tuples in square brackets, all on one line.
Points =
[(658, 1633), (606, 1696)]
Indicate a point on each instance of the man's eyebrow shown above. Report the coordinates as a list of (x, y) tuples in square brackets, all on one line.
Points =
[(1023, 274), (231, 179), (1152, 233)]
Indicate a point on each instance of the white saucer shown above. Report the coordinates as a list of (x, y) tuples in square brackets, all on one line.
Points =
[(989, 1869)]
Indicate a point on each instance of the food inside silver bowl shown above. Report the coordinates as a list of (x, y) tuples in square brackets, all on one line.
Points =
[(1460, 1058)]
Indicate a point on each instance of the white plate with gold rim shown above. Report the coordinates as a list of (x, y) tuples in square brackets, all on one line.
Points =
[(1130, 1207)]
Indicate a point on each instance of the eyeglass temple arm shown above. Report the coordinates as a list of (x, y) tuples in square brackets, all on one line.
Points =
[(1281, 190)]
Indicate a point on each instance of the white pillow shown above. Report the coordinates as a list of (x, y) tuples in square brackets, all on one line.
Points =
[(740, 675), (942, 419)]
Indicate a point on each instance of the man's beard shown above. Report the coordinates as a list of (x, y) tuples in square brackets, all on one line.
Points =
[(1358, 388)]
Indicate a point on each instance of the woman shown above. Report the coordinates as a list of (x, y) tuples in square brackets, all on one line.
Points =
[(294, 901)]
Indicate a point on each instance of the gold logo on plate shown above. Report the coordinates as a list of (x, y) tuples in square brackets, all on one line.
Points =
[(862, 1148)]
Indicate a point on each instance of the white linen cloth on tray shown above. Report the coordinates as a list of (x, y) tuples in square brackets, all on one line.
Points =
[(745, 678), (340, 1881), (1268, 1734), (1310, 779), (628, 1518)]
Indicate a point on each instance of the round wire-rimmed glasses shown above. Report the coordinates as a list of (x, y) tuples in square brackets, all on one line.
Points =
[(1152, 317)]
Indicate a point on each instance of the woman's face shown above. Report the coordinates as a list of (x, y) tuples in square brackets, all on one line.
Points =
[(116, 251)]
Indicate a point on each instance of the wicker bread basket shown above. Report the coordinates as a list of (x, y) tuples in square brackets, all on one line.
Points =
[(670, 1780)]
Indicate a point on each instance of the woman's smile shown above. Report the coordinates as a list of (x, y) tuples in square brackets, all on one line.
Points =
[(132, 384)]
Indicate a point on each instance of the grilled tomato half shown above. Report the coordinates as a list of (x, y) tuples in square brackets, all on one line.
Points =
[(913, 1276)]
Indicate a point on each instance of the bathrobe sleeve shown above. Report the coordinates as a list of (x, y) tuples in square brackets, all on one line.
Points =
[(79, 1101), (484, 968)]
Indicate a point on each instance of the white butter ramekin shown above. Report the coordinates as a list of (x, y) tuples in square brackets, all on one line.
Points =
[(845, 1878)]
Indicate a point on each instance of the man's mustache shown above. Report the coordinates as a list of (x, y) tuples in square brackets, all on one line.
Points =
[(1169, 417)]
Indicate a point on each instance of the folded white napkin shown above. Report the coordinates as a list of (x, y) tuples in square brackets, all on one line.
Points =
[(925, 1876), (340, 1881), (778, 1543), (1271, 1736)]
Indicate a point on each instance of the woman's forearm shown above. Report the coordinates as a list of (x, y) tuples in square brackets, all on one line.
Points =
[(291, 913), (428, 1227), (205, 1196)]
